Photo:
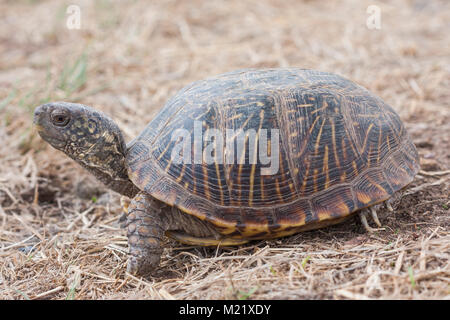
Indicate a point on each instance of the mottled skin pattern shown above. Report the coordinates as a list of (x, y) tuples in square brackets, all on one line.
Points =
[(89, 137), (342, 149)]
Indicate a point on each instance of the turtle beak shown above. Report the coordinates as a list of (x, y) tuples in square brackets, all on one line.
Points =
[(46, 130), (39, 112)]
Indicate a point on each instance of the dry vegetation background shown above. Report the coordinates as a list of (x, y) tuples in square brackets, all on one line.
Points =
[(59, 236)]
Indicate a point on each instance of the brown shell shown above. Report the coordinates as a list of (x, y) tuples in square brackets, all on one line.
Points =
[(341, 149)]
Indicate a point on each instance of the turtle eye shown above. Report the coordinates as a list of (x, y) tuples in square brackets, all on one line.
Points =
[(60, 119)]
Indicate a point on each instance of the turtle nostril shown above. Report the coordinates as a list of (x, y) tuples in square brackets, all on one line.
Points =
[(38, 113)]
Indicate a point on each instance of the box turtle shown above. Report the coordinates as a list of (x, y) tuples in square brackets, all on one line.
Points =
[(332, 149)]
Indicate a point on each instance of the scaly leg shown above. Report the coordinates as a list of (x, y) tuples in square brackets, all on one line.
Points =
[(146, 228), (364, 213)]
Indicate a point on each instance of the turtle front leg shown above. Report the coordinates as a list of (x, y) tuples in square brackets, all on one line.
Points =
[(146, 227)]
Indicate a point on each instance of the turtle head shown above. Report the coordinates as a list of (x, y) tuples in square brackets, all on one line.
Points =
[(75, 129), (87, 136)]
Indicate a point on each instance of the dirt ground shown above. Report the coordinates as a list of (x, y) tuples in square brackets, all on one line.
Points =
[(59, 232)]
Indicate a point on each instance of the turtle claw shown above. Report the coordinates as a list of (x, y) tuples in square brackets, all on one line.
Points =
[(363, 214), (124, 202), (389, 206), (373, 213)]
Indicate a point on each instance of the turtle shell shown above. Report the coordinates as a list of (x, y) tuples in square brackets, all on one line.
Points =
[(340, 149)]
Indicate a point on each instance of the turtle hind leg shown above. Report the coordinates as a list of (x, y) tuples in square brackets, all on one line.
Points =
[(364, 213), (389, 206), (204, 242), (373, 214), (389, 203)]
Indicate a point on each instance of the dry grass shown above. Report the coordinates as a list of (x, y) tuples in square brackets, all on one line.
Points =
[(59, 237)]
